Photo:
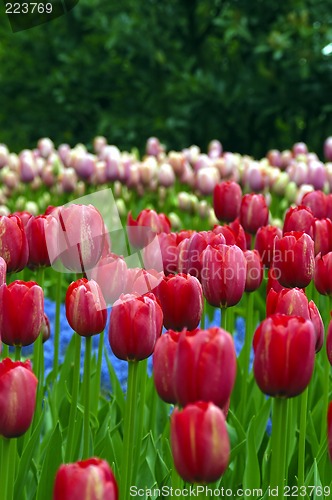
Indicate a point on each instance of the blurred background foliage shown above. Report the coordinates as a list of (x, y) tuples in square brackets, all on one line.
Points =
[(249, 73)]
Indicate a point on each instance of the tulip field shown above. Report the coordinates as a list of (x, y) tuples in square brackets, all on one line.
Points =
[(165, 323)]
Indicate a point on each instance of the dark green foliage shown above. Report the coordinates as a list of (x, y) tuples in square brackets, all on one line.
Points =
[(251, 74)]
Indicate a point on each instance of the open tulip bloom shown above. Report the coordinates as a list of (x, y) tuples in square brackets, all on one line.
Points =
[(165, 323)]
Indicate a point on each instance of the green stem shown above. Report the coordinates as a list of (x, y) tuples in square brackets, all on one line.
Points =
[(128, 456), (38, 357), (202, 325), (177, 481), (18, 352), (96, 391), (302, 437), (57, 325), (246, 350), (279, 430), (8, 463), (142, 379), (5, 351), (87, 376), (74, 399), (224, 318)]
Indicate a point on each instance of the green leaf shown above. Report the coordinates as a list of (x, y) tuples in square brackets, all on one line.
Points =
[(252, 477), (51, 463)]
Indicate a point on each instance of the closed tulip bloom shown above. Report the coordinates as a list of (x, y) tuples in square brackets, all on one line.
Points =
[(111, 275), (294, 302), (254, 212), (35, 232), (234, 234), (265, 241), (21, 328), (141, 281), (329, 429), (205, 366), (190, 254), (18, 386), (163, 365), (90, 479), (181, 300), (272, 280), (81, 237), (85, 307), (329, 342), (284, 354), (299, 218), (223, 277), (323, 273), (254, 270), (294, 259), (148, 223), (322, 236), (200, 443), (227, 198), (162, 254), (316, 201), (13, 243), (135, 325), (3, 271)]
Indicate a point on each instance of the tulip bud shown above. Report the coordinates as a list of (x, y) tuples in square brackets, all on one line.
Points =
[(254, 212), (205, 366), (284, 355), (227, 198), (135, 325), (329, 430), (13, 243), (163, 365), (85, 307), (111, 275), (200, 443), (21, 329), (299, 219), (294, 259), (35, 231), (18, 386), (316, 201), (322, 236), (265, 241), (323, 274), (223, 275), (181, 300), (254, 270), (148, 223), (91, 479), (328, 152)]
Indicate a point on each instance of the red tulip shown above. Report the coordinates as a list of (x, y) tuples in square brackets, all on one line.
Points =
[(293, 301), (135, 325), (254, 270), (91, 479), (272, 280), (45, 328), (35, 232), (223, 275), (163, 365), (200, 442), (148, 223), (316, 201), (322, 236), (21, 328), (141, 281), (18, 386), (265, 241), (329, 342), (227, 198), (299, 218), (3, 271), (323, 273), (254, 212), (81, 237), (85, 307), (234, 234), (294, 259), (284, 355), (205, 366), (13, 243), (181, 300), (111, 275), (329, 429), (162, 253), (190, 256), (25, 216)]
